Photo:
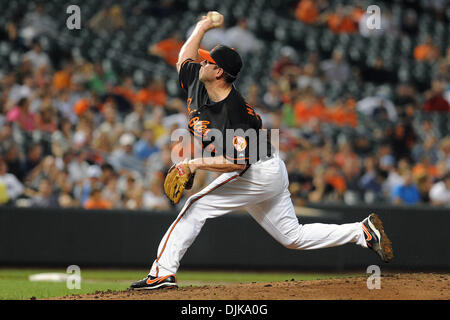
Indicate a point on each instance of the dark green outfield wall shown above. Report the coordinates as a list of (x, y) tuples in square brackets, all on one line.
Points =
[(50, 237)]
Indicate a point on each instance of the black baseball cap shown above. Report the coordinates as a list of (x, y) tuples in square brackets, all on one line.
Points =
[(225, 57)]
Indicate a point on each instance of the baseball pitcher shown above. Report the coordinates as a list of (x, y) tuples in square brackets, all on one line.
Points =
[(253, 178)]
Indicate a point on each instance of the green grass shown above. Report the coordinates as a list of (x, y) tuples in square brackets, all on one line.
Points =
[(14, 283)]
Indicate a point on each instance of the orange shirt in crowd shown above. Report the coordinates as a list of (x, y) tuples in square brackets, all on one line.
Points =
[(426, 52), (97, 204), (81, 106), (129, 94), (169, 49), (421, 169), (61, 80), (306, 11), (341, 158), (341, 24), (152, 97), (338, 182), (304, 112), (342, 117), (357, 14)]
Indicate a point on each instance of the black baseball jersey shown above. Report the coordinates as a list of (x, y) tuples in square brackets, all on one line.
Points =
[(232, 117)]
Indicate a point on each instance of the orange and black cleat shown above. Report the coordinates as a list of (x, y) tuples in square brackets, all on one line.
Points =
[(151, 283), (376, 238)]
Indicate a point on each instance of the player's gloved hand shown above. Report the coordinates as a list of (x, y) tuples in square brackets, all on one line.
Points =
[(178, 178)]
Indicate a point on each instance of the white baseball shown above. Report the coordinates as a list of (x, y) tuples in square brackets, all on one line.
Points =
[(215, 17)]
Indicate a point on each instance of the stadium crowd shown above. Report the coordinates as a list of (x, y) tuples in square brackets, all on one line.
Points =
[(78, 134)]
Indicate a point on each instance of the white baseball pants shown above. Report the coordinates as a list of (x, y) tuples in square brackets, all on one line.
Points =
[(262, 191)]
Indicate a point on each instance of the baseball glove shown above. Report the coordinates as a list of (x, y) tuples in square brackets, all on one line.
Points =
[(177, 180)]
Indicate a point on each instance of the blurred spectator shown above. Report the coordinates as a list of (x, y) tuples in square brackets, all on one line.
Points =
[(108, 19), (10, 33), (62, 138), (132, 193), (306, 11), (111, 125), (426, 51), (352, 173), (46, 169), (33, 158), (154, 197), (405, 96), (378, 107), (126, 89), (435, 100), (36, 24), (135, 121), (309, 78), (21, 115), (402, 138), (428, 147), (406, 193), (154, 94), (145, 147), (409, 22), (123, 157), (92, 182), (440, 192), (96, 201), (168, 49), (342, 20), (14, 160), (37, 57), (308, 108), (322, 191), (62, 79), (46, 120), (272, 98), (101, 79), (243, 40), (444, 152), (369, 182), (10, 186), (336, 69), (286, 63), (44, 197)]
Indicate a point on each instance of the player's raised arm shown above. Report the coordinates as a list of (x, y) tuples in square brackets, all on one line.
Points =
[(192, 44)]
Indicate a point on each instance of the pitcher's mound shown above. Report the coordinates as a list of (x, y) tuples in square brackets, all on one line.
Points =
[(403, 286)]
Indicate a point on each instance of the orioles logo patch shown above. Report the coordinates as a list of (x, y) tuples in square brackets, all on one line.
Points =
[(239, 143)]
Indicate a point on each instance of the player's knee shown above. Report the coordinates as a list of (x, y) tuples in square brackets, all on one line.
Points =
[(291, 240), (291, 245)]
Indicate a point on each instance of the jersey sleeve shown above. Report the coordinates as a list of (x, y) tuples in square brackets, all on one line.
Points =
[(188, 73)]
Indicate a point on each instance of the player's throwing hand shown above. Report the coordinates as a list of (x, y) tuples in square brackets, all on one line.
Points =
[(212, 20)]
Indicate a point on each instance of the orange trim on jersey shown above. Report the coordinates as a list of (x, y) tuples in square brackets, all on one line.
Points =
[(185, 61), (188, 206)]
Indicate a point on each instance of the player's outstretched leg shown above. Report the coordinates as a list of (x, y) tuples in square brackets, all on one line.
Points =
[(376, 238)]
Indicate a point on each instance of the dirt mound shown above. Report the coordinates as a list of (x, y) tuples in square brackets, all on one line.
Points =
[(402, 286)]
